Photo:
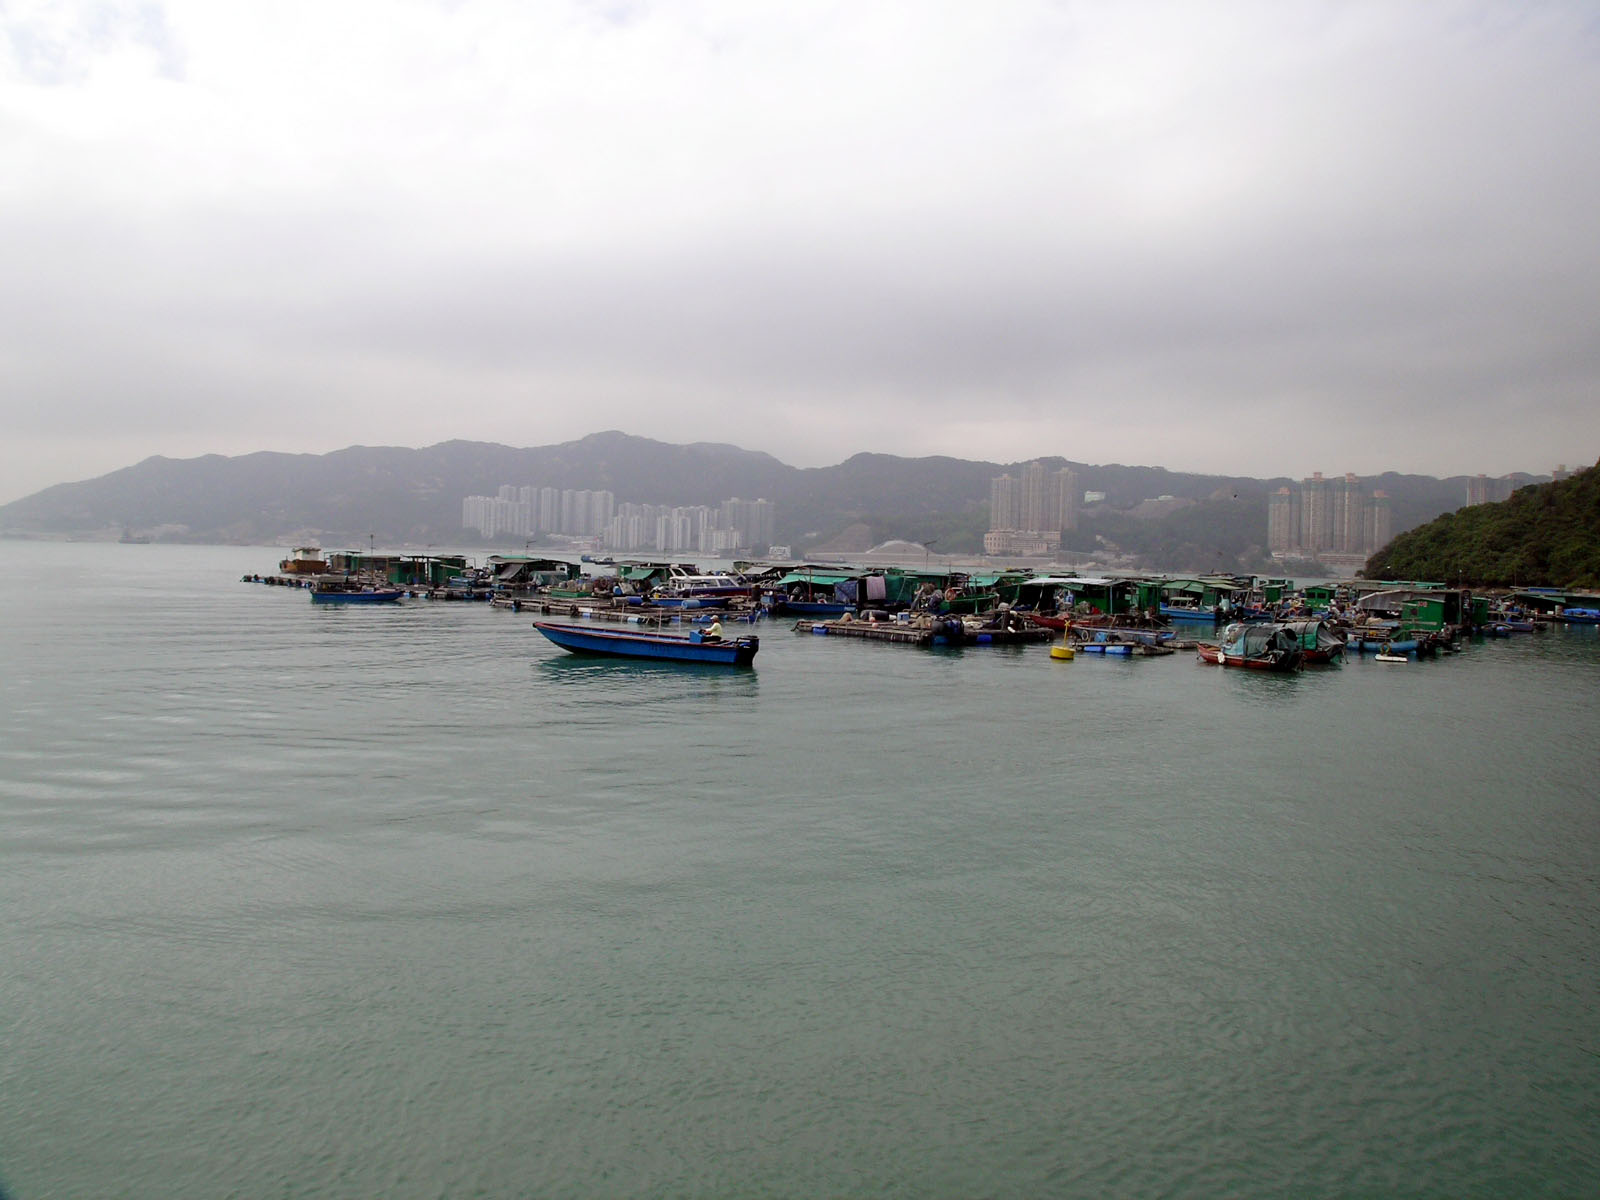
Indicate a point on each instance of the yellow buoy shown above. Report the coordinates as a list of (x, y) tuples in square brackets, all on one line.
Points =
[(1064, 652)]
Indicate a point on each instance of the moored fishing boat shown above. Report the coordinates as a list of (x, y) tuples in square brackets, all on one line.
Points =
[(345, 593), (788, 606), (667, 599), (1516, 624), (685, 590), (1256, 648), (635, 643), (1184, 612), (1318, 642), (1118, 640), (1393, 641)]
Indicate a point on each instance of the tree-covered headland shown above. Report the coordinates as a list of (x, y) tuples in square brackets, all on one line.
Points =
[(1545, 535)]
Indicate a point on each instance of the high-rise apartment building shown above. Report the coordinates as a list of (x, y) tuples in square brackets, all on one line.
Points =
[(1283, 521), (579, 512), (1028, 513), (1380, 522), (1349, 516), (1066, 500), (1003, 507), (1327, 517), (1481, 489)]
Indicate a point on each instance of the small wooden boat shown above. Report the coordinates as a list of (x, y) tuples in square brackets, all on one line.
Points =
[(636, 643), (1318, 641), (1255, 648)]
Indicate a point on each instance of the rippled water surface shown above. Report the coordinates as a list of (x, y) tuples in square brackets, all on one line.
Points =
[(405, 902)]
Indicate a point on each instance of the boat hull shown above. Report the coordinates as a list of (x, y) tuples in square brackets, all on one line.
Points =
[(813, 608), (1173, 612), (381, 596), (1276, 662), (661, 600), (1360, 645), (623, 643)]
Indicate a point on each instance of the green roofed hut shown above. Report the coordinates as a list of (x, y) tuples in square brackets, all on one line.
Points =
[(520, 575)]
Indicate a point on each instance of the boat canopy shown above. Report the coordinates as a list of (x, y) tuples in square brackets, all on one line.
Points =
[(1254, 640), (1314, 634), (824, 578)]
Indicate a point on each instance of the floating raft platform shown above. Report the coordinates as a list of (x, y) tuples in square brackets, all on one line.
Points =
[(875, 631), (925, 635)]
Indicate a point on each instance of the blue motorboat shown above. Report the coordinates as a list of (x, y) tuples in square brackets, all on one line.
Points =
[(339, 593), (636, 643), (1183, 612), (683, 590), (1359, 643), (812, 608)]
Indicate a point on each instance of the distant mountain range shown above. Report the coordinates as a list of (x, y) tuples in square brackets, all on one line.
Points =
[(406, 496)]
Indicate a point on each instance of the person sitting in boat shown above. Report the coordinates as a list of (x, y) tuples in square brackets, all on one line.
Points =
[(714, 632)]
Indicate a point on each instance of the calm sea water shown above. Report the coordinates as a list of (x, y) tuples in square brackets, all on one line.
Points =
[(404, 902)]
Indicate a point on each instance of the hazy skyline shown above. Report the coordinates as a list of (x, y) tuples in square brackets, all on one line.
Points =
[(1241, 238)]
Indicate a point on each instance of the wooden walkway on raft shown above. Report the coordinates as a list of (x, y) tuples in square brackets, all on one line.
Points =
[(877, 631), (922, 635)]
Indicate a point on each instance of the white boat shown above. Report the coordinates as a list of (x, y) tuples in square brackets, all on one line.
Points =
[(685, 589)]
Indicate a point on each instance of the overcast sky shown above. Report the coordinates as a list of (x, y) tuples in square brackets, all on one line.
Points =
[(1260, 239)]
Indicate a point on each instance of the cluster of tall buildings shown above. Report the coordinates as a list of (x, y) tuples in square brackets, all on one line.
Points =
[(1029, 512), (1481, 489), (528, 512), (1327, 519), (734, 526)]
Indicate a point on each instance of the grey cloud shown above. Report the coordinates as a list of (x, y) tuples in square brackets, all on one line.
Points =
[(1393, 228)]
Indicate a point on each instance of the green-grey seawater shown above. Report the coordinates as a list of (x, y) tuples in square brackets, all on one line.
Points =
[(405, 902)]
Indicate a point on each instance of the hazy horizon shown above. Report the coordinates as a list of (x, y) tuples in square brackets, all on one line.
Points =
[(1332, 474)]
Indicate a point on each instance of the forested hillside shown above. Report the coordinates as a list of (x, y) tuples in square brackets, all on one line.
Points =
[(1545, 535)]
